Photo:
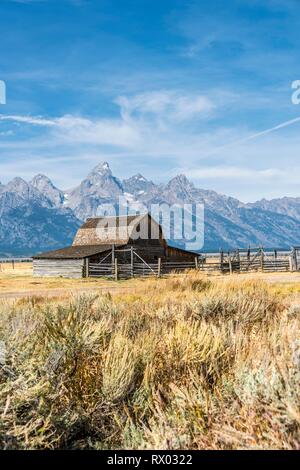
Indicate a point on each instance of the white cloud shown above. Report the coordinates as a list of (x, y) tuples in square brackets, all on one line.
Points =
[(232, 173), (39, 121), (82, 130), (150, 136), (141, 118), (168, 105), (99, 131)]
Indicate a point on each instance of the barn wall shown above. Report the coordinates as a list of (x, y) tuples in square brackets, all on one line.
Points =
[(179, 255), (71, 268), (147, 252)]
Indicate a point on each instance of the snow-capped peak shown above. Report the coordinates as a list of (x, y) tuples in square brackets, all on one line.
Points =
[(102, 169), (139, 177)]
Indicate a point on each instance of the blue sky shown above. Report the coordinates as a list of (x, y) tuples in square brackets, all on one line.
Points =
[(157, 87)]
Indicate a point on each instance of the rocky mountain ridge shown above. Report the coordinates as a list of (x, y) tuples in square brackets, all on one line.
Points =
[(36, 215)]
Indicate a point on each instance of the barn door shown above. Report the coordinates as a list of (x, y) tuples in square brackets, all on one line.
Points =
[(134, 265)]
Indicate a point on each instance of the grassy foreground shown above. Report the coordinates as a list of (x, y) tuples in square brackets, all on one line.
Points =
[(183, 363)]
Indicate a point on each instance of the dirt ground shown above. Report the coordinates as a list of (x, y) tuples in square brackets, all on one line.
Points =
[(17, 282)]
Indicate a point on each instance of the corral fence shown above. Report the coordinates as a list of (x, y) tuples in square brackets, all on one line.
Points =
[(238, 261), (251, 259), (110, 266)]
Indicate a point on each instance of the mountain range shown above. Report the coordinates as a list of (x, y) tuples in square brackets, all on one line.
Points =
[(37, 216)]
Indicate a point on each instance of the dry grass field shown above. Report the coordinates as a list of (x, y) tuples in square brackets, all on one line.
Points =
[(186, 362)]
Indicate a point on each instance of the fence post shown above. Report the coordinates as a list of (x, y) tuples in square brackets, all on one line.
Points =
[(262, 259), (87, 267), (113, 254), (248, 259), (293, 260), (196, 262), (159, 267), (131, 260), (221, 260), (230, 264), (116, 269)]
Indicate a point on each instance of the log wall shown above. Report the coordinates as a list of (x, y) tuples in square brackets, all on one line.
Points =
[(72, 268)]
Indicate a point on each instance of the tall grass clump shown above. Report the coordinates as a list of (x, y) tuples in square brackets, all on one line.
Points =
[(183, 363)]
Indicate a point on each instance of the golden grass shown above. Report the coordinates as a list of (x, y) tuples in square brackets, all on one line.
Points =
[(20, 280), (188, 362)]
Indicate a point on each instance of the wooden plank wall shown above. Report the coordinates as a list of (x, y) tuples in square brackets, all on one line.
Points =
[(72, 268)]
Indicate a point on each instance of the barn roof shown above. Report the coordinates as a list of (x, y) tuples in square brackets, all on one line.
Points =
[(120, 221), (111, 230), (75, 252)]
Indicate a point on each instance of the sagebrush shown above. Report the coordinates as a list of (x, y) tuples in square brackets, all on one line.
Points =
[(184, 363)]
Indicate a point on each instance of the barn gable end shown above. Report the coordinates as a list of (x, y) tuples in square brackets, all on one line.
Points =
[(119, 230)]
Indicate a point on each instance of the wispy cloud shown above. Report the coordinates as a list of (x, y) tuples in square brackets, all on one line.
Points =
[(168, 105), (141, 117), (74, 129), (233, 173), (146, 134), (38, 121)]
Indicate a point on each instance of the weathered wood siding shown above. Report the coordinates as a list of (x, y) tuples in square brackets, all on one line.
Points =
[(72, 268), (175, 254)]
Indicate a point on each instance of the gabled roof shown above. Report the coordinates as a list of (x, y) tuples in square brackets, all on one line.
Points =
[(119, 221), (75, 252), (113, 230)]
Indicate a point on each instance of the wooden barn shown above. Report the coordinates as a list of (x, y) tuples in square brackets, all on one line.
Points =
[(105, 245)]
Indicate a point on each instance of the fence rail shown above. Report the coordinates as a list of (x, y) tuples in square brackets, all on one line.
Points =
[(126, 270), (15, 260), (238, 261), (223, 262), (249, 260), (136, 269)]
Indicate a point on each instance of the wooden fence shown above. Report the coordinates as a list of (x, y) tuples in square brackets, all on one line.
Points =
[(138, 269), (249, 260), (239, 261), (13, 261)]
